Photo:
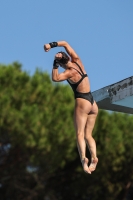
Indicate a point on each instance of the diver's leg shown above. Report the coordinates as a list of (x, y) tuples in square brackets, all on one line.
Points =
[(80, 119), (88, 136)]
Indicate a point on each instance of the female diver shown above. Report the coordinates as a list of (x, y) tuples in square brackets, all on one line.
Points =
[(86, 109)]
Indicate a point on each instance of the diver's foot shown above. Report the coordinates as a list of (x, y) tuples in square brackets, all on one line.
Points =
[(93, 164), (85, 165)]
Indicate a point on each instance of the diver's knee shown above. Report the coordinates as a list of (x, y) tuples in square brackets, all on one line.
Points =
[(88, 136), (80, 134)]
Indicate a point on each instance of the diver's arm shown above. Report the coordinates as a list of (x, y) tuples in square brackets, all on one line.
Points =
[(68, 49), (64, 44), (56, 77)]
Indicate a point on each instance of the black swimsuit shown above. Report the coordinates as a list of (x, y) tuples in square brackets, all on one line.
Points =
[(88, 96)]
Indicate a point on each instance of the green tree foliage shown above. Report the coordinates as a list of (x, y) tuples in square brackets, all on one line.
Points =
[(38, 153), (34, 119)]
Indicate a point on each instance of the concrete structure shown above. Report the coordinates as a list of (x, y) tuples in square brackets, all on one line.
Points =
[(116, 97)]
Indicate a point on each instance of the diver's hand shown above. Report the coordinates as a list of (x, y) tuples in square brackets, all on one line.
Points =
[(55, 64), (47, 47)]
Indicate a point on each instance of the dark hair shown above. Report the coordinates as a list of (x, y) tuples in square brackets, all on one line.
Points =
[(65, 58)]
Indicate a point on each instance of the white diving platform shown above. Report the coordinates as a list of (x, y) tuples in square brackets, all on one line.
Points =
[(116, 97)]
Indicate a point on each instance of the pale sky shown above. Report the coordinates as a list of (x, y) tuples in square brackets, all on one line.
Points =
[(100, 31)]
